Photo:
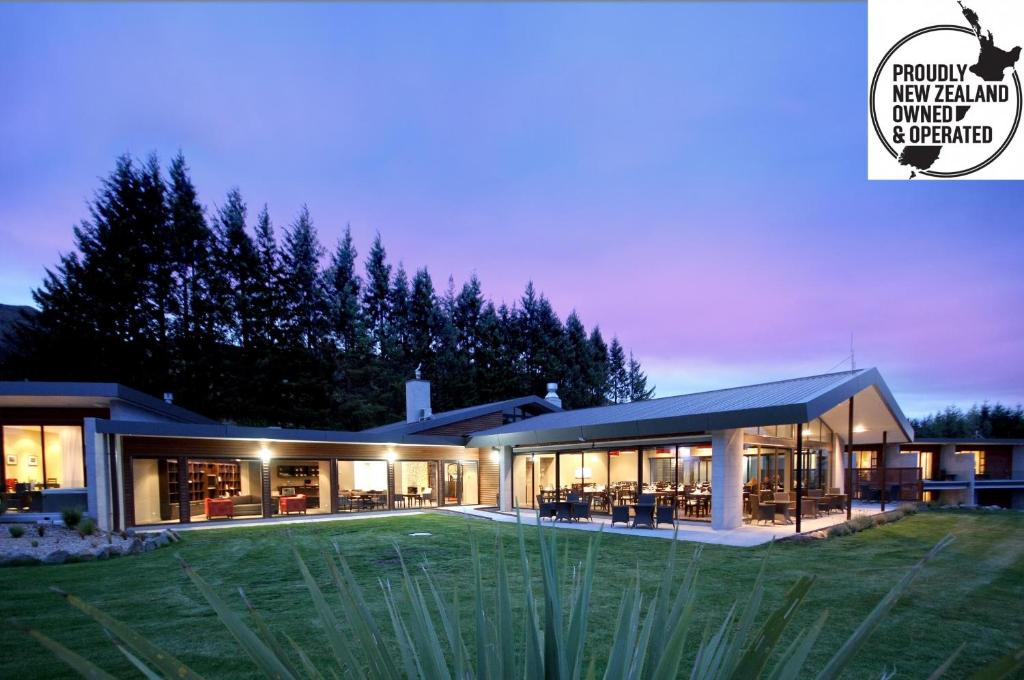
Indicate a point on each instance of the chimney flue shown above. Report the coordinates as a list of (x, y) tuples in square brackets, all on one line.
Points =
[(417, 400), (552, 395)]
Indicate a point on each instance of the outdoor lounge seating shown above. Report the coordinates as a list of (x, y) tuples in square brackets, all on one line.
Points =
[(620, 513), (581, 510), (664, 514), (762, 512), (644, 515)]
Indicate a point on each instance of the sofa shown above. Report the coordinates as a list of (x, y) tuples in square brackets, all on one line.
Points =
[(248, 504)]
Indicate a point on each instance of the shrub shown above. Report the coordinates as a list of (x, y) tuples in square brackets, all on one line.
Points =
[(35, 543), (41, 530), (16, 531), (71, 517), (87, 527)]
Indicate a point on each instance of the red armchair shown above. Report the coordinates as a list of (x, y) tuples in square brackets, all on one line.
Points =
[(219, 506), (290, 504)]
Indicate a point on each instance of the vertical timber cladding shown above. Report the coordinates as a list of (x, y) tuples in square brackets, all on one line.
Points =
[(489, 477)]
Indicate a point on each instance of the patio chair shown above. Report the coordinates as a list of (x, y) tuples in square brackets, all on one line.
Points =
[(647, 499), (664, 514), (837, 502), (620, 513), (573, 497), (815, 493), (809, 507), (548, 510), (564, 512), (581, 510), (762, 512), (834, 491)]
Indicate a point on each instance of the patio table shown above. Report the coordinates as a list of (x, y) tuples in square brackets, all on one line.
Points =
[(782, 506), (642, 518)]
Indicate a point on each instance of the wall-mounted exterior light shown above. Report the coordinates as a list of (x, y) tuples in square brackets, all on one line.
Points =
[(265, 455), (391, 456)]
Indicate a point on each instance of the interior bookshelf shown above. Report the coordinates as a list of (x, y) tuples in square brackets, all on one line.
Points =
[(205, 480)]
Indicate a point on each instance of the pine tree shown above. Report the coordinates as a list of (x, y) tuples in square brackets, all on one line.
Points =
[(302, 284), (343, 289), (376, 295), (399, 336), (543, 341), (269, 315), (198, 309), (238, 264), (422, 322), (636, 381), (191, 260), (618, 377), (598, 380), (574, 387)]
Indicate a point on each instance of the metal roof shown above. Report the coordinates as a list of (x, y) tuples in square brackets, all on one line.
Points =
[(466, 413), (970, 441), (103, 393), (797, 400)]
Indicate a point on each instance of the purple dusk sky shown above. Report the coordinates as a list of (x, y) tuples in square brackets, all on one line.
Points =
[(691, 177)]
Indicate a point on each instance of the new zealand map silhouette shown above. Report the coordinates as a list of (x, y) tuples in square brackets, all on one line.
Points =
[(992, 62)]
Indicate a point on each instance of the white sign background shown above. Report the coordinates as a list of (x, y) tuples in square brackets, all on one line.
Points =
[(889, 21)]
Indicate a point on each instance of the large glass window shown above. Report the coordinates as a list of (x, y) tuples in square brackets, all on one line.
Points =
[(363, 485), (415, 484), (622, 470), (221, 489), (522, 482), (151, 491), (545, 483), (39, 457), (470, 483)]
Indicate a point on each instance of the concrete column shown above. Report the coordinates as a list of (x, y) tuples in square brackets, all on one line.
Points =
[(960, 465), (837, 465), (1017, 465), (97, 472), (726, 479), (505, 479)]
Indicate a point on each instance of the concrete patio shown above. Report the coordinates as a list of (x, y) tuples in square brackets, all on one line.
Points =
[(701, 532)]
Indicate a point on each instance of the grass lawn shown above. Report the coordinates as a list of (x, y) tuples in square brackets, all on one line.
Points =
[(973, 592)]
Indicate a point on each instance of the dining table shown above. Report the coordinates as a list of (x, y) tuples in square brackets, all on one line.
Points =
[(782, 507), (642, 518)]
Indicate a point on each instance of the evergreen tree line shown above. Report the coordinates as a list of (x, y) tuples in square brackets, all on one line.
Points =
[(165, 296), (986, 420)]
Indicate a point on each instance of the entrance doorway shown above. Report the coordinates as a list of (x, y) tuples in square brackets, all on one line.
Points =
[(461, 482)]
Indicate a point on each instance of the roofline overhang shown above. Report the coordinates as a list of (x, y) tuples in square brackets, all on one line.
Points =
[(828, 399), (134, 428), (803, 412), (103, 391)]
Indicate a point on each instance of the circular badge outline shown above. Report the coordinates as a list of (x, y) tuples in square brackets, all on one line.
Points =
[(874, 116)]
